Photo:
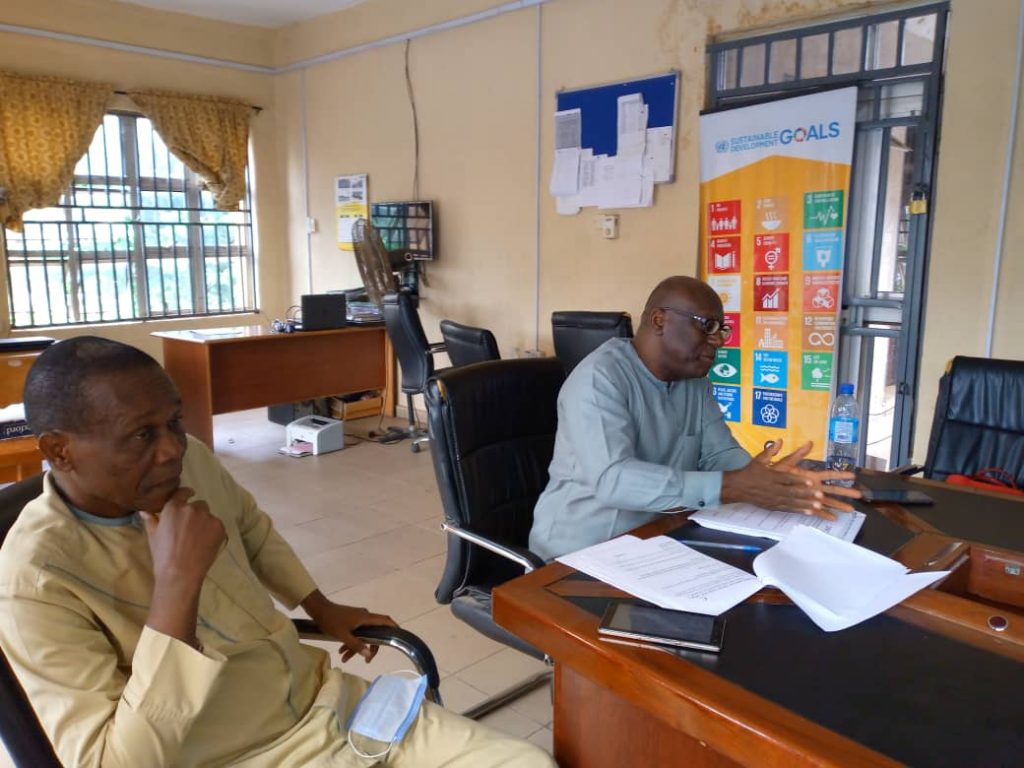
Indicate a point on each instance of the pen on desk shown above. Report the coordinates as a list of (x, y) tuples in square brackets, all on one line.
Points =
[(722, 545)]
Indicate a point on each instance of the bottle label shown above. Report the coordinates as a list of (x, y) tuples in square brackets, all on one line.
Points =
[(843, 430)]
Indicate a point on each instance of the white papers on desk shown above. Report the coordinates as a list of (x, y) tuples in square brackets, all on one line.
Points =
[(664, 572), (836, 583), (752, 520)]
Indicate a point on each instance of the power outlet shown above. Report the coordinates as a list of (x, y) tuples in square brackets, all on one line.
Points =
[(311, 225), (608, 223)]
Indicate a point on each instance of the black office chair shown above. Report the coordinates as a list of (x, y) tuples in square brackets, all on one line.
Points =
[(493, 430), (415, 358), (27, 742), (466, 344), (577, 334), (979, 420)]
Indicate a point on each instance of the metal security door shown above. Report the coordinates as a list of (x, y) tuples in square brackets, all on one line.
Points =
[(895, 60)]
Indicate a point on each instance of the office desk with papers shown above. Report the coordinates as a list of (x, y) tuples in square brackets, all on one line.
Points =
[(928, 682)]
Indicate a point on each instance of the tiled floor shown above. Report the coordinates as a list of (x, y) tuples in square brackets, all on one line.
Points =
[(365, 521)]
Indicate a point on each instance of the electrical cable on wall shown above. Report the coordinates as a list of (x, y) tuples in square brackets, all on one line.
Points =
[(415, 127), (420, 266)]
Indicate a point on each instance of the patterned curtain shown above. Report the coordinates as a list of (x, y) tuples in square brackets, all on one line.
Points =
[(46, 125), (210, 135)]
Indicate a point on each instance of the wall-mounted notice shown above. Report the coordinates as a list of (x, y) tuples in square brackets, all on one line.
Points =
[(774, 189), (613, 143), (350, 204)]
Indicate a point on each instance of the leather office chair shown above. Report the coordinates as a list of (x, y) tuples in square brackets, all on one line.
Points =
[(415, 358), (27, 742), (466, 344), (577, 334), (979, 419), (493, 430)]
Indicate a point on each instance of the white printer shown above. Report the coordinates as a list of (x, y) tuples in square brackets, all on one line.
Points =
[(324, 434)]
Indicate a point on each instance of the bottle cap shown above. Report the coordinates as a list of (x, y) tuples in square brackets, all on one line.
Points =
[(846, 389)]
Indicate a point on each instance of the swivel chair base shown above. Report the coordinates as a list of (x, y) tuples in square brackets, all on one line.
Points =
[(509, 695), (414, 431)]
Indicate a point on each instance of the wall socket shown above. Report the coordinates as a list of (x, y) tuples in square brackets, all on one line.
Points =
[(608, 223), (311, 225)]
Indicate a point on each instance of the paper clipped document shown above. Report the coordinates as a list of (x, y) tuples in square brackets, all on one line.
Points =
[(662, 571), (752, 520), (836, 583)]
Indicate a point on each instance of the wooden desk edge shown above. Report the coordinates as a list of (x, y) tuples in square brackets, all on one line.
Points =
[(743, 726)]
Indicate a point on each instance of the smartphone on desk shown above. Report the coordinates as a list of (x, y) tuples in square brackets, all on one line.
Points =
[(904, 496), (663, 627)]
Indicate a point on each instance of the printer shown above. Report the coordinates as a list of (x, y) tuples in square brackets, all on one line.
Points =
[(324, 434)]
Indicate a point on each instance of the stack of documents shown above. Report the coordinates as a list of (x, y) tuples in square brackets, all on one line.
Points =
[(757, 521), (836, 583)]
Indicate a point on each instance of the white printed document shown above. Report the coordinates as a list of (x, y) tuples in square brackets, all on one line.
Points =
[(836, 583), (752, 520), (664, 572)]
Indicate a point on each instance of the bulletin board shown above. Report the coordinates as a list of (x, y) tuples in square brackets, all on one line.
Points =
[(599, 108)]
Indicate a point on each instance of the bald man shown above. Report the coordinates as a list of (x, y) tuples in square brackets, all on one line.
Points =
[(640, 434)]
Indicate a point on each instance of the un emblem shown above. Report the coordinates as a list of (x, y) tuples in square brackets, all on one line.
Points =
[(722, 146)]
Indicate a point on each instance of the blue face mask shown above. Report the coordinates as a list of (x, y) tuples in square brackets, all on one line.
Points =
[(386, 710)]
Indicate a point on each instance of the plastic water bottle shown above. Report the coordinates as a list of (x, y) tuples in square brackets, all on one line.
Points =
[(844, 433)]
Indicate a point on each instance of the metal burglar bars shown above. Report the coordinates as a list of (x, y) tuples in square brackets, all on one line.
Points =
[(135, 236), (895, 60)]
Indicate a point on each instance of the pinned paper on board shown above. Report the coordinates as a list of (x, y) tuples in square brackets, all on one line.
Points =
[(613, 143)]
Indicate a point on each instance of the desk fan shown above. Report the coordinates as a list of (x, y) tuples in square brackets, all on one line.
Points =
[(373, 262)]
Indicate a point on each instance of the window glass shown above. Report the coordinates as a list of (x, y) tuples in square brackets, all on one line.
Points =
[(135, 236)]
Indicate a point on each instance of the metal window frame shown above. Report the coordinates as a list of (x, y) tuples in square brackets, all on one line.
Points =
[(722, 96), (139, 258)]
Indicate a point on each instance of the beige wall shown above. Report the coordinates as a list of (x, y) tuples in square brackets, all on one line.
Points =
[(477, 99)]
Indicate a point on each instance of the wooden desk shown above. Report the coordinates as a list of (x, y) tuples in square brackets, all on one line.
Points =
[(19, 457), (927, 683), (218, 370)]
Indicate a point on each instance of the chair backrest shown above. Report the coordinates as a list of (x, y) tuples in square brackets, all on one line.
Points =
[(979, 419), (466, 344), (492, 432), (25, 739), (577, 334), (402, 321)]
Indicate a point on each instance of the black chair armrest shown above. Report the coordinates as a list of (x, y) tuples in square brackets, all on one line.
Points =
[(524, 557), (402, 639), (907, 469)]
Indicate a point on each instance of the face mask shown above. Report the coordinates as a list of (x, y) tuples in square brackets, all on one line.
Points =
[(386, 710)]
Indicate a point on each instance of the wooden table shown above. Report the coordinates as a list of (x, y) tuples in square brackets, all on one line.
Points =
[(219, 370), (19, 456), (927, 683)]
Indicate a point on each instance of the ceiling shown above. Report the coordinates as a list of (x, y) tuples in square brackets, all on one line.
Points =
[(259, 13)]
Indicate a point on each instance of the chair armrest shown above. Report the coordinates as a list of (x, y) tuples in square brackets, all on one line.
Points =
[(436, 348), (907, 469), (520, 555), (402, 639)]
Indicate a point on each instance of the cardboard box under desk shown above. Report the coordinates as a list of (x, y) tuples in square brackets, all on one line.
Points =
[(356, 409)]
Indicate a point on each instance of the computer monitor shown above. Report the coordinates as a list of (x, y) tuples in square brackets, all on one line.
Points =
[(323, 311)]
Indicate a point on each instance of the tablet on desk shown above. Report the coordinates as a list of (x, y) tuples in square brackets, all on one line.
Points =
[(663, 627)]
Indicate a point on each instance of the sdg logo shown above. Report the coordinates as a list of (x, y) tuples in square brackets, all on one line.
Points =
[(769, 408)]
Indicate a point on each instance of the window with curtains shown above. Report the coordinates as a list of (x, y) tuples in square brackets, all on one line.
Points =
[(135, 236)]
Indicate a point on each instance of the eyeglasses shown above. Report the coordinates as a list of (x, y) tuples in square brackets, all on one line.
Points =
[(709, 325)]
